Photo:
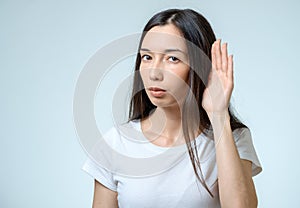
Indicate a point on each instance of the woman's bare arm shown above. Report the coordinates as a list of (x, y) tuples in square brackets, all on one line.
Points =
[(104, 197), (236, 186)]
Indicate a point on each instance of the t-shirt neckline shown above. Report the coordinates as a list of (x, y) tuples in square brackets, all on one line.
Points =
[(138, 126)]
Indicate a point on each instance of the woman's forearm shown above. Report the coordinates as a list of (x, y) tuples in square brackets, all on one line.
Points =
[(236, 186)]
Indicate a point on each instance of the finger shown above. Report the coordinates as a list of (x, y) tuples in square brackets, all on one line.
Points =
[(224, 57), (213, 55), (213, 77), (230, 68), (218, 54)]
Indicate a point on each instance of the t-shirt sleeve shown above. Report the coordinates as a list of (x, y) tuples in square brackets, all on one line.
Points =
[(102, 175), (246, 150)]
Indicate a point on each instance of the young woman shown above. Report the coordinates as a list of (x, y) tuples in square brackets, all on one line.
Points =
[(180, 101)]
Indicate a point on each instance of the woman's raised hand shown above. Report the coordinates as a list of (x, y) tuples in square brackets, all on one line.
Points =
[(216, 96)]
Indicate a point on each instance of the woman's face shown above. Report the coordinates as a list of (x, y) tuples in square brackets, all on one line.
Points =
[(164, 65)]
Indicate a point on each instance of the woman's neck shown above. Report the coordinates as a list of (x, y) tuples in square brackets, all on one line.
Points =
[(164, 126)]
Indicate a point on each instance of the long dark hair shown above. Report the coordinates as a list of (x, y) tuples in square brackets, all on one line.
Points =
[(198, 32)]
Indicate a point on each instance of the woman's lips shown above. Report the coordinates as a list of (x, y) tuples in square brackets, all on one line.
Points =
[(156, 91)]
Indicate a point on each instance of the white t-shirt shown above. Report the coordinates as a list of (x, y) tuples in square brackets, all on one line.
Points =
[(147, 175)]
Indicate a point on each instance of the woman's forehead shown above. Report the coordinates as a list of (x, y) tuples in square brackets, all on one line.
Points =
[(162, 38)]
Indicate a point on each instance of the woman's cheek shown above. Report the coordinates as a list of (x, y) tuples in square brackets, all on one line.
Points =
[(144, 76), (176, 84)]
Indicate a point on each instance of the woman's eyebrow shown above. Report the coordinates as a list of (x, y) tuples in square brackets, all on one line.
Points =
[(165, 51)]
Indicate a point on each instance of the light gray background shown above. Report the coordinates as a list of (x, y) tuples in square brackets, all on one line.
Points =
[(45, 44)]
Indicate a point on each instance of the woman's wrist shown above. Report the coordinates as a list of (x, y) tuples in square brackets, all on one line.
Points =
[(220, 122), (217, 117)]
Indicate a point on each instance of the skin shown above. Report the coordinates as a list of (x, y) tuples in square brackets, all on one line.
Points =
[(104, 197), (159, 68), (236, 186)]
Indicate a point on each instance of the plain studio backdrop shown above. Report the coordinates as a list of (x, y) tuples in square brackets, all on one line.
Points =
[(44, 46)]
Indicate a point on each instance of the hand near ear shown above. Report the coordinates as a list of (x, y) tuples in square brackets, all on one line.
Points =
[(216, 96)]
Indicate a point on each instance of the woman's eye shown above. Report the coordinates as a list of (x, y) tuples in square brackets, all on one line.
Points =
[(146, 57), (173, 59)]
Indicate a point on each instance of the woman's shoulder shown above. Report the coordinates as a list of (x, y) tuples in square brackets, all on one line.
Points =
[(128, 130), (122, 129), (126, 137)]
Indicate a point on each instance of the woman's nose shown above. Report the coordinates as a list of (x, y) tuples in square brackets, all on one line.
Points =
[(156, 71)]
